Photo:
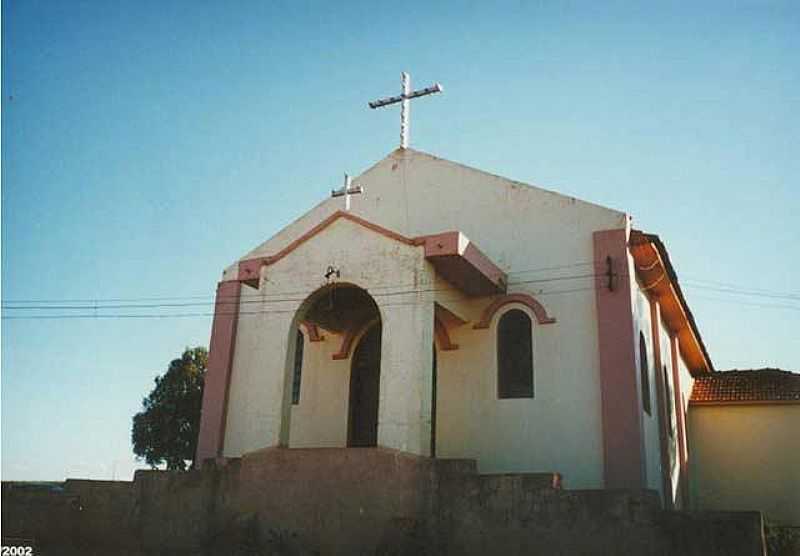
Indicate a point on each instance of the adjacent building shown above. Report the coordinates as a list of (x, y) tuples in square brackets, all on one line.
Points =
[(744, 429)]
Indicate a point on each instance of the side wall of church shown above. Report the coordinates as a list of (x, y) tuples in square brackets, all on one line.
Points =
[(678, 395), (672, 420), (651, 422), (687, 382)]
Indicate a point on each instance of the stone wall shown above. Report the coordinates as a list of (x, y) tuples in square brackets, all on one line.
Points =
[(358, 501)]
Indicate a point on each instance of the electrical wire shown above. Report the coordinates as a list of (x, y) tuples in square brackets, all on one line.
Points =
[(100, 307), (260, 300), (100, 315), (261, 295)]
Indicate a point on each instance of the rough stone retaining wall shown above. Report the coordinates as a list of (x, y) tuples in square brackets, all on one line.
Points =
[(358, 501)]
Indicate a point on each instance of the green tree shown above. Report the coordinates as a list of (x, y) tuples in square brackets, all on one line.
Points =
[(166, 429)]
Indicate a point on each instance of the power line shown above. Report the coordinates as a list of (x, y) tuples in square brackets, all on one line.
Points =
[(730, 285), (233, 313), (292, 310), (752, 293), (259, 299), (97, 300), (98, 316), (99, 307), (750, 303)]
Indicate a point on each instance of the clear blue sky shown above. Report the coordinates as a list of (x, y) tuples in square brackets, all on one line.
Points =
[(147, 145)]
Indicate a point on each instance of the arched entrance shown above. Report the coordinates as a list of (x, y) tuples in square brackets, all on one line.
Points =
[(365, 378), (335, 403)]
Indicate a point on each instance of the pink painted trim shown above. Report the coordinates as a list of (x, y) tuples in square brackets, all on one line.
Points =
[(211, 438), (485, 266), (460, 262), (249, 269), (344, 348), (312, 332), (443, 336), (538, 310), (623, 459), (348, 340), (445, 243), (448, 317), (469, 268)]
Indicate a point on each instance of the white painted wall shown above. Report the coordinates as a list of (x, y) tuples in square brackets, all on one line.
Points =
[(320, 418), (559, 429), (518, 226), (265, 342), (651, 422), (687, 383), (672, 428), (542, 239)]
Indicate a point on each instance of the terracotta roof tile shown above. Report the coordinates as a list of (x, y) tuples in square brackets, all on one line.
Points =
[(757, 385)]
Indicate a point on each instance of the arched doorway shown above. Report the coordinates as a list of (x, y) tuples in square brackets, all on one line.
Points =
[(365, 378), (318, 410)]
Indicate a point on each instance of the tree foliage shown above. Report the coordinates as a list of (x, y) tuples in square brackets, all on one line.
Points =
[(165, 431)]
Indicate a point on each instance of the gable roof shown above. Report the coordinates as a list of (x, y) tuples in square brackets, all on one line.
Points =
[(654, 268), (747, 386), (411, 224), (409, 152)]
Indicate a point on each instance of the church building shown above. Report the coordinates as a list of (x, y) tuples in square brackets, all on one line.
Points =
[(447, 312)]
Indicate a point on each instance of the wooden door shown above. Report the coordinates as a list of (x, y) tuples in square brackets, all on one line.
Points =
[(365, 378)]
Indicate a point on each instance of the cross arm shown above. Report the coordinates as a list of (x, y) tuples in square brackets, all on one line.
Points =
[(350, 190), (437, 88), (385, 101)]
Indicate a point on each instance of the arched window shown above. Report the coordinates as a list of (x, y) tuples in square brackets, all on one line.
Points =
[(514, 355), (645, 374), (298, 367)]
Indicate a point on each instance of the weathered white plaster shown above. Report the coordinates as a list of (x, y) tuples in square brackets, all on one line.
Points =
[(404, 410), (516, 225), (320, 418), (543, 240), (652, 442), (264, 356), (651, 422), (672, 421)]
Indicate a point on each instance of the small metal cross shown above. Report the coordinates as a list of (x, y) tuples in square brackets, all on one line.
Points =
[(405, 107), (346, 191)]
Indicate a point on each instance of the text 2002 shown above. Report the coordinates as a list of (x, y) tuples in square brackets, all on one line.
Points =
[(16, 551)]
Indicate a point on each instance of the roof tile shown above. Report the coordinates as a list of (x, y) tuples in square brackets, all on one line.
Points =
[(757, 385)]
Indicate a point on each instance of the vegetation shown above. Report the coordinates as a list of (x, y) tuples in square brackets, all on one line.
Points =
[(165, 431)]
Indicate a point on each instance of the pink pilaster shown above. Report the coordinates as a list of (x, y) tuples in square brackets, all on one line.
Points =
[(622, 426), (220, 361)]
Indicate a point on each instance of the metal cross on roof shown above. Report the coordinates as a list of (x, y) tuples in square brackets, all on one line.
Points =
[(346, 191), (405, 106)]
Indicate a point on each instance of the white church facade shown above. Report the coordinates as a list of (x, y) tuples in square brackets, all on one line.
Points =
[(452, 313)]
